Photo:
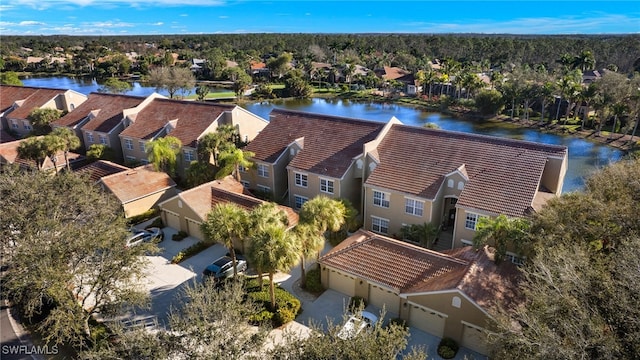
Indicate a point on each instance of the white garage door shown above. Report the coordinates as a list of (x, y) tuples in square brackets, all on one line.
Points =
[(426, 320), (193, 229), (173, 219), (380, 297), (474, 338), (343, 283)]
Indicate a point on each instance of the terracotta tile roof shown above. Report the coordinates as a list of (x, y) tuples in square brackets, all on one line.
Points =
[(330, 143), (503, 174), (9, 94), (9, 151), (100, 168), (35, 100), (199, 197), (391, 73), (410, 269), (107, 109), (9, 155), (193, 118), (5, 137), (136, 183), (257, 65), (248, 202)]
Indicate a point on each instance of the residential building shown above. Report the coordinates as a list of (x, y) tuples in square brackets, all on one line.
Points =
[(188, 121), (99, 169), (447, 295), (9, 155), (17, 103), (301, 155)]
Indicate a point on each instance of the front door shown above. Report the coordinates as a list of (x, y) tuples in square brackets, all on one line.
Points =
[(452, 217)]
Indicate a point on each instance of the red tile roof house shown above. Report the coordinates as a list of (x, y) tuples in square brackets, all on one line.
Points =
[(139, 189), (188, 210), (186, 120), (301, 155), (101, 168), (101, 118), (9, 155), (453, 179), (17, 102), (447, 295)]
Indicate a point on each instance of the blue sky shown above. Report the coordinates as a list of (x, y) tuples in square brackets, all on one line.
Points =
[(133, 17)]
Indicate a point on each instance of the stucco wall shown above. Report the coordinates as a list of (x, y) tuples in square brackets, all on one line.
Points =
[(139, 206)]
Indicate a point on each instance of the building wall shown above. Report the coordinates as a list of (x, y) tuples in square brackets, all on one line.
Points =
[(553, 175), (312, 189), (136, 154), (139, 206), (395, 213), (249, 125), (460, 232)]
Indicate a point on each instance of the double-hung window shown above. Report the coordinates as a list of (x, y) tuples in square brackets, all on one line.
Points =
[(380, 199), (263, 170), (189, 156), (90, 138), (141, 145), (326, 186), (103, 140), (301, 179), (300, 200), (414, 207), (471, 221), (128, 144), (379, 225)]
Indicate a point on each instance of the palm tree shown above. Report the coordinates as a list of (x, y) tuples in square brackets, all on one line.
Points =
[(323, 213), (273, 248), (311, 242), (70, 141), (425, 233), (53, 144), (231, 161), (33, 148), (226, 224), (584, 61), (262, 216), (618, 109), (587, 95), (163, 153), (502, 232), (212, 144)]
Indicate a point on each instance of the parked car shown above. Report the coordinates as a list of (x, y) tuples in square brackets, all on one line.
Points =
[(222, 268), (356, 323), (139, 236)]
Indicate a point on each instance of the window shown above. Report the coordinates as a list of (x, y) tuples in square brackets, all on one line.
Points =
[(128, 144), (456, 302), (380, 199), (144, 161), (301, 179), (27, 125), (245, 183), (141, 145), (379, 225), (471, 221), (326, 186), (264, 189), (453, 201), (90, 138), (242, 168), (131, 159), (300, 200), (189, 156), (514, 258), (263, 170), (103, 140), (450, 183), (460, 185), (14, 124), (414, 207)]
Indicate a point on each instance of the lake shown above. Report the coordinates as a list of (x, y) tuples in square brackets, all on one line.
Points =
[(585, 156)]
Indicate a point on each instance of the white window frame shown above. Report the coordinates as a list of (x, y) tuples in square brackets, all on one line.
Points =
[(263, 170), (90, 138), (14, 124), (450, 183), (128, 144), (469, 219), (103, 140), (264, 189), (131, 158), (299, 199), (377, 225), (188, 156), (327, 186), (141, 144), (518, 260), (301, 179), (460, 185), (242, 168), (411, 207), (382, 200)]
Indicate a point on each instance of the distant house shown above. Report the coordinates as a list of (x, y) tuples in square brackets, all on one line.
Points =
[(411, 86), (17, 103), (446, 295), (188, 210), (139, 189), (9, 156), (188, 121)]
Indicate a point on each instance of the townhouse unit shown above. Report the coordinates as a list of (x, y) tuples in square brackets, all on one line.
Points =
[(452, 179), (9, 155), (17, 103), (188, 121), (300, 155), (101, 118)]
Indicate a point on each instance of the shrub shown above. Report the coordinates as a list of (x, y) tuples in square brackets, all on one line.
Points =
[(287, 305), (147, 215), (489, 102), (313, 283), (399, 322), (448, 348), (179, 236), (356, 303), (190, 251), (283, 316), (261, 317), (157, 223), (178, 258)]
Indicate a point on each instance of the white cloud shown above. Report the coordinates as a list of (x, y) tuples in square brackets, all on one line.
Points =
[(108, 24), (30, 23), (159, 23), (223, 17), (44, 4)]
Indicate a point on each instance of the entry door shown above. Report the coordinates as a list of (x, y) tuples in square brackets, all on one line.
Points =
[(452, 217)]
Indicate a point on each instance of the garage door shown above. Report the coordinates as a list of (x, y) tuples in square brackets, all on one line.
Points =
[(474, 338), (173, 219), (342, 282), (426, 320), (380, 297), (193, 229)]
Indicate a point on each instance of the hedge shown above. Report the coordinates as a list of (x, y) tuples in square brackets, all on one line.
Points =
[(287, 305), (313, 283), (190, 251), (448, 348)]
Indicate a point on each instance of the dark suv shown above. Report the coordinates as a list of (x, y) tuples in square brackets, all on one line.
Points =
[(222, 268)]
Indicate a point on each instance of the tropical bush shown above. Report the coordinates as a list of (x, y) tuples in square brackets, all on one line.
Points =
[(356, 303), (313, 283), (448, 348), (190, 251), (180, 235), (287, 305)]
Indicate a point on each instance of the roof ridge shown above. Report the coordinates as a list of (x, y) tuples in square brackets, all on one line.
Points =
[(241, 195), (326, 116)]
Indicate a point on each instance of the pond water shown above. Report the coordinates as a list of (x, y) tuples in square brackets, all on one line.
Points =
[(585, 156)]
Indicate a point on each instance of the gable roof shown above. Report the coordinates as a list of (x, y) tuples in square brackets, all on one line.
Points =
[(107, 109), (34, 100), (192, 118), (100, 168), (136, 183), (503, 174), (330, 142), (9, 94), (391, 73), (221, 196), (409, 269), (9, 155)]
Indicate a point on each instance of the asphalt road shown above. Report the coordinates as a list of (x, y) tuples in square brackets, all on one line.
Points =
[(16, 344)]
